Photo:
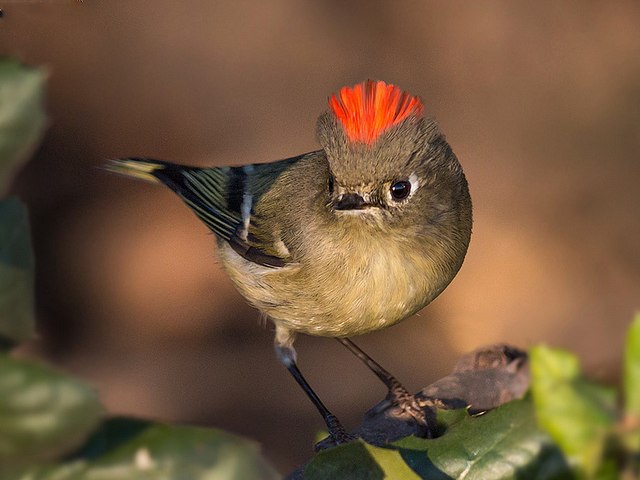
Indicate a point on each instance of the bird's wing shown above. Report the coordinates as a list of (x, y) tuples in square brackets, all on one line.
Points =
[(223, 198)]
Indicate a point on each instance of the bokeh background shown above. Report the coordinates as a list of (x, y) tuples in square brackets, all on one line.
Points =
[(540, 100)]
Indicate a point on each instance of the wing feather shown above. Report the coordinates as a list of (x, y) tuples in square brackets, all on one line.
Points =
[(216, 196)]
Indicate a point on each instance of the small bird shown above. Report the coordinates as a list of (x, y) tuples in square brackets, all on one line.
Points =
[(342, 241)]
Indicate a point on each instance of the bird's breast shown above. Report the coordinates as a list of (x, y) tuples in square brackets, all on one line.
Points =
[(343, 287)]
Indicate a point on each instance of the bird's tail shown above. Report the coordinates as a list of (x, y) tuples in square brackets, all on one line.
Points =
[(204, 190), (142, 168)]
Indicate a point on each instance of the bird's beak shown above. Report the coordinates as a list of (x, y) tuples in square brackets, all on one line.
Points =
[(350, 201)]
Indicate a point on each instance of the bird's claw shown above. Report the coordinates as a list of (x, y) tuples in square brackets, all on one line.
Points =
[(406, 405)]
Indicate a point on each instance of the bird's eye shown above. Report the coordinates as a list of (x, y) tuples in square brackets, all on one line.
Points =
[(400, 190)]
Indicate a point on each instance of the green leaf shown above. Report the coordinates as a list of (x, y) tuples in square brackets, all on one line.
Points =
[(135, 450), (359, 460), (353, 461), (502, 444), (112, 433), (16, 273), (577, 414), (22, 117), (632, 370), (630, 433), (43, 413)]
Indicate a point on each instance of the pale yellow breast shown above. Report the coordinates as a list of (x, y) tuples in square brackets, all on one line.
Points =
[(345, 287)]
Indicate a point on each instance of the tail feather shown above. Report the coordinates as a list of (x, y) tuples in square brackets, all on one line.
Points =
[(204, 190), (141, 168)]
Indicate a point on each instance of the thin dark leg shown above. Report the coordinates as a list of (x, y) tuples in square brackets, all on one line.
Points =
[(398, 394), (337, 432), (389, 380)]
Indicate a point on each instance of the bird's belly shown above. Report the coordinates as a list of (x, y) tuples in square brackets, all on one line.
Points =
[(354, 308), (340, 295)]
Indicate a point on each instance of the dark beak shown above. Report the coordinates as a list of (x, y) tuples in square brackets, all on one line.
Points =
[(350, 201)]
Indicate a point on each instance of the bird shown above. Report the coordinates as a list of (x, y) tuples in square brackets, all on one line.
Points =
[(348, 239)]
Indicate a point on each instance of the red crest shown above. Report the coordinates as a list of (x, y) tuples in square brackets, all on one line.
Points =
[(369, 108)]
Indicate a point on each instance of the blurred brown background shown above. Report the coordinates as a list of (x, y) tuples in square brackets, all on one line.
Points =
[(540, 100)]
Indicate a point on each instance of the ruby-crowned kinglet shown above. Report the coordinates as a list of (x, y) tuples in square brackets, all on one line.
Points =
[(348, 239)]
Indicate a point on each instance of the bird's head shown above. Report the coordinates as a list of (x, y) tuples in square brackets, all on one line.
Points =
[(387, 162)]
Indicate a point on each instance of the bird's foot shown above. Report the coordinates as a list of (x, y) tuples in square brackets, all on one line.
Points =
[(405, 405), (337, 435)]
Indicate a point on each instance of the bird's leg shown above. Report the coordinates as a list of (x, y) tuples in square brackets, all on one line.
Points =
[(398, 395), (287, 356)]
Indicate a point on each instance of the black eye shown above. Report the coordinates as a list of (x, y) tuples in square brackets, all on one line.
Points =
[(330, 184), (400, 190)]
